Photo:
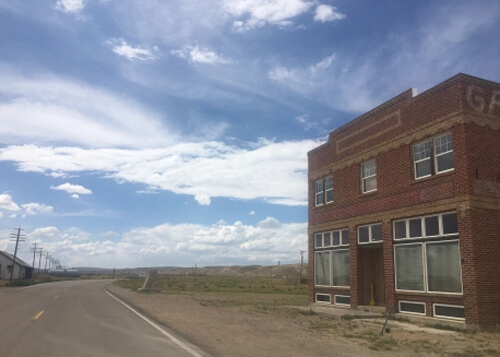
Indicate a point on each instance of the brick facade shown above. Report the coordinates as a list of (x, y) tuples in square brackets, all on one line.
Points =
[(469, 109)]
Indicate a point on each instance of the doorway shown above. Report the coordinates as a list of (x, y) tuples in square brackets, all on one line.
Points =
[(372, 258)]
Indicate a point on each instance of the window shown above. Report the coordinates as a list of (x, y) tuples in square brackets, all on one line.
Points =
[(412, 307), (340, 267), (342, 300), (329, 189), (336, 238), (323, 191), (319, 192), (368, 176), (431, 264), (323, 298), (434, 226), (371, 233), (322, 268), (433, 156), (449, 311)]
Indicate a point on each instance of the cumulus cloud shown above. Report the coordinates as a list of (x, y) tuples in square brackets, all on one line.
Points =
[(122, 48), (37, 208), (262, 12), (50, 109), (274, 172), (75, 196), (6, 203), (197, 54), (70, 6), (70, 188), (325, 13)]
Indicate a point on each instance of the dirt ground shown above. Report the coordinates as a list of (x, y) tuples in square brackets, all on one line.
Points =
[(246, 325)]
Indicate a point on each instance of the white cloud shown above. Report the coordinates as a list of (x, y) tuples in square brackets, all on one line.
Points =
[(49, 109), (70, 188), (13, 215), (262, 12), (203, 200), (1, 214), (251, 213), (271, 171), (122, 48), (75, 196), (197, 54), (326, 13), (70, 6), (6, 203), (37, 208)]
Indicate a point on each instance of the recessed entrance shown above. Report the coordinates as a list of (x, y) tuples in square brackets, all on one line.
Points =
[(372, 275)]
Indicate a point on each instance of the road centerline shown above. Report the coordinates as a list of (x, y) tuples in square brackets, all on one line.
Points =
[(37, 316)]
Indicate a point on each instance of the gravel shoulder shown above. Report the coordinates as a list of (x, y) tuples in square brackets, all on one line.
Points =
[(252, 325)]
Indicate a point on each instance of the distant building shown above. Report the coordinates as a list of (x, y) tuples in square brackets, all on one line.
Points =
[(22, 270), (404, 206)]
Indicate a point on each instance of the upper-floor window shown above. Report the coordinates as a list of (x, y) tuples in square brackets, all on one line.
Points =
[(319, 192), (368, 176), (433, 156), (323, 191)]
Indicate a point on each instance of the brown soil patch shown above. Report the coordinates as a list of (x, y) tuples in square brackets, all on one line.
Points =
[(252, 325)]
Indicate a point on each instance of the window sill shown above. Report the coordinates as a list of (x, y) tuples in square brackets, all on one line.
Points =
[(435, 176), (369, 193)]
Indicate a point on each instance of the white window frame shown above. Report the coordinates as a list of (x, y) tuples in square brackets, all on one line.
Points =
[(322, 234), (330, 260), (370, 235), (369, 176), (411, 312), (423, 228), (323, 302), (340, 303), (319, 194), (433, 156), (444, 316), (327, 189), (424, 267)]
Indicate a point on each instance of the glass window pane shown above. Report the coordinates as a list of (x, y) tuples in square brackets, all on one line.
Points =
[(409, 267), (443, 144), (443, 267), (400, 229), (328, 183), (340, 268), (345, 237), (319, 240), (329, 196), (450, 224), (363, 235), (422, 151), (449, 311), (376, 232), (336, 238), (319, 186), (423, 168), (415, 228), (322, 268), (444, 162), (370, 184), (327, 239), (431, 226)]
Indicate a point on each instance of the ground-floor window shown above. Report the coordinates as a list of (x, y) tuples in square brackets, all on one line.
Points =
[(331, 268), (428, 267)]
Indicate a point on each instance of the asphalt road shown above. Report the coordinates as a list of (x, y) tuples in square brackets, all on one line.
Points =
[(79, 318)]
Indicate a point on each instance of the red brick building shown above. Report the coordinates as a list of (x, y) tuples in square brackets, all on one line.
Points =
[(404, 206)]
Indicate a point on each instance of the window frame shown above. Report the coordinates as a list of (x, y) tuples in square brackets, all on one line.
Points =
[(320, 301), (340, 303), (433, 155), (411, 312), (366, 178), (444, 316), (327, 190), (425, 270), (423, 229), (370, 233), (319, 194)]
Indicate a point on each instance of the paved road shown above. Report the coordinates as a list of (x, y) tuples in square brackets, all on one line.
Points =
[(79, 318)]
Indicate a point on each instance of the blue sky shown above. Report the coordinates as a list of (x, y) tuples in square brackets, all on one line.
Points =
[(147, 133)]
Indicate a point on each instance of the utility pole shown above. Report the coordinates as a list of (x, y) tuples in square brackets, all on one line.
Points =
[(18, 238), (301, 263), (46, 259), (40, 259), (34, 250)]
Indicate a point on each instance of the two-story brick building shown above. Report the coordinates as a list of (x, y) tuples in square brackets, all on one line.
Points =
[(404, 206)]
